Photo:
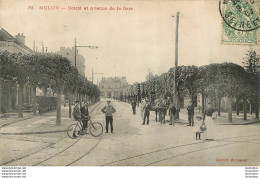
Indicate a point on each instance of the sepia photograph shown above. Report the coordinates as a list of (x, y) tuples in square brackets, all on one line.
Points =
[(129, 83)]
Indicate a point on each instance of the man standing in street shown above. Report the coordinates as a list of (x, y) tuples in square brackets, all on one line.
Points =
[(134, 107), (109, 110), (162, 110), (143, 103), (190, 109), (146, 111), (85, 115), (172, 111)]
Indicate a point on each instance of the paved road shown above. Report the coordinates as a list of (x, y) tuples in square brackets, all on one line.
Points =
[(137, 145)]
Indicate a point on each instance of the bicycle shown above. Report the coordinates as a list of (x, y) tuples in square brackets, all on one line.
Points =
[(75, 130)]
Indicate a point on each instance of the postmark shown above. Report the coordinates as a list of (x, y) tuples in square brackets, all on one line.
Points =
[(241, 21)]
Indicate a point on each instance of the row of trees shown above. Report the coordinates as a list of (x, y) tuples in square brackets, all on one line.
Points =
[(44, 70), (214, 81)]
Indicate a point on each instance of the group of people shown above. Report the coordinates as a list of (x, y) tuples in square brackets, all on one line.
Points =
[(203, 123), (161, 106), (82, 114)]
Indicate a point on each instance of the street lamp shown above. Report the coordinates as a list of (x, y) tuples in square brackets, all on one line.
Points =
[(91, 47), (176, 59)]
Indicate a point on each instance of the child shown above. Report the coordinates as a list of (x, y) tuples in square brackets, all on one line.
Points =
[(198, 123)]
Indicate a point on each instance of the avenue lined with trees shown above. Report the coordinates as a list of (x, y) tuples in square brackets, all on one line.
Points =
[(45, 71), (240, 85)]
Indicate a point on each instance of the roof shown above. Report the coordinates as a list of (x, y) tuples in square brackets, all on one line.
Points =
[(114, 80), (5, 36)]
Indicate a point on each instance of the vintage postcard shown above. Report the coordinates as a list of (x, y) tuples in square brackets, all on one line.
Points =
[(129, 83)]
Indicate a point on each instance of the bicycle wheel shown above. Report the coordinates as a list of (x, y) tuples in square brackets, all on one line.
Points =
[(74, 131), (96, 129)]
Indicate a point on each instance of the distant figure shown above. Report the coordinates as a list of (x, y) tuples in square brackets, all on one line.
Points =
[(147, 109), (156, 109), (198, 123), (84, 116), (109, 110), (162, 110), (167, 104), (190, 109), (143, 103), (172, 111), (134, 107)]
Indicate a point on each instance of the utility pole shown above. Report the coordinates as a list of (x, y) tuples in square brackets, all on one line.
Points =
[(75, 48), (176, 63)]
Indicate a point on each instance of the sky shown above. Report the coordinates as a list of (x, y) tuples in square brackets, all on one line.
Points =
[(130, 41)]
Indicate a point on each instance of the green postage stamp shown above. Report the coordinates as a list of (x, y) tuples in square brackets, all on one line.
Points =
[(240, 21)]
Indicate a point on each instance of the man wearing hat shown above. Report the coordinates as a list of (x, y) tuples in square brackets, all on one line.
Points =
[(109, 110), (147, 109), (85, 115), (76, 111), (77, 114)]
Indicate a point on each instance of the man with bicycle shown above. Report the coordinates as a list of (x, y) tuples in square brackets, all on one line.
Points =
[(77, 114), (85, 116)]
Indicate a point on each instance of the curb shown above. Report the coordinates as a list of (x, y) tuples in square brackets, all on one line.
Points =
[(245, 123), (30, 133)]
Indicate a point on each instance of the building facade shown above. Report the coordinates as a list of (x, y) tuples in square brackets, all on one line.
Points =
[(70, 54), (112, 87), (9, 95)]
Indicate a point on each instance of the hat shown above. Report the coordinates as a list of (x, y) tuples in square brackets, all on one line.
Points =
[(108, 101), (77, 101)]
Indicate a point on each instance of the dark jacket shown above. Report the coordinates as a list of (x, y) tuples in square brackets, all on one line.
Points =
[(190, 110), (133, 104), (84, 111), (76, 113), (172, 109)]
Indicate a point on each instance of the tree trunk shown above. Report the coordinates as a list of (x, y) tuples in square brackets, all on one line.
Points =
[(58, 118), (70, 101), (229, 109), (65, 102), (20, 100), (219, 105), (80, 100), (244, 110), (203, 103), (1, 98), (257, 110), (237, 106), (34, 100), (251, 108), (8, 98)]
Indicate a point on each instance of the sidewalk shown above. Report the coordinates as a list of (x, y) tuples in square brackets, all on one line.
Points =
[(36, 124), (11, 124), (222, 119)]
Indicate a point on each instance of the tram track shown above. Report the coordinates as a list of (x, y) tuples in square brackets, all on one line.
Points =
[(67, 148), (180, 146), (49, 146)]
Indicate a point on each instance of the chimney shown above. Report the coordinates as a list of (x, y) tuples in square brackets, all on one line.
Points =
[(20, 38)]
